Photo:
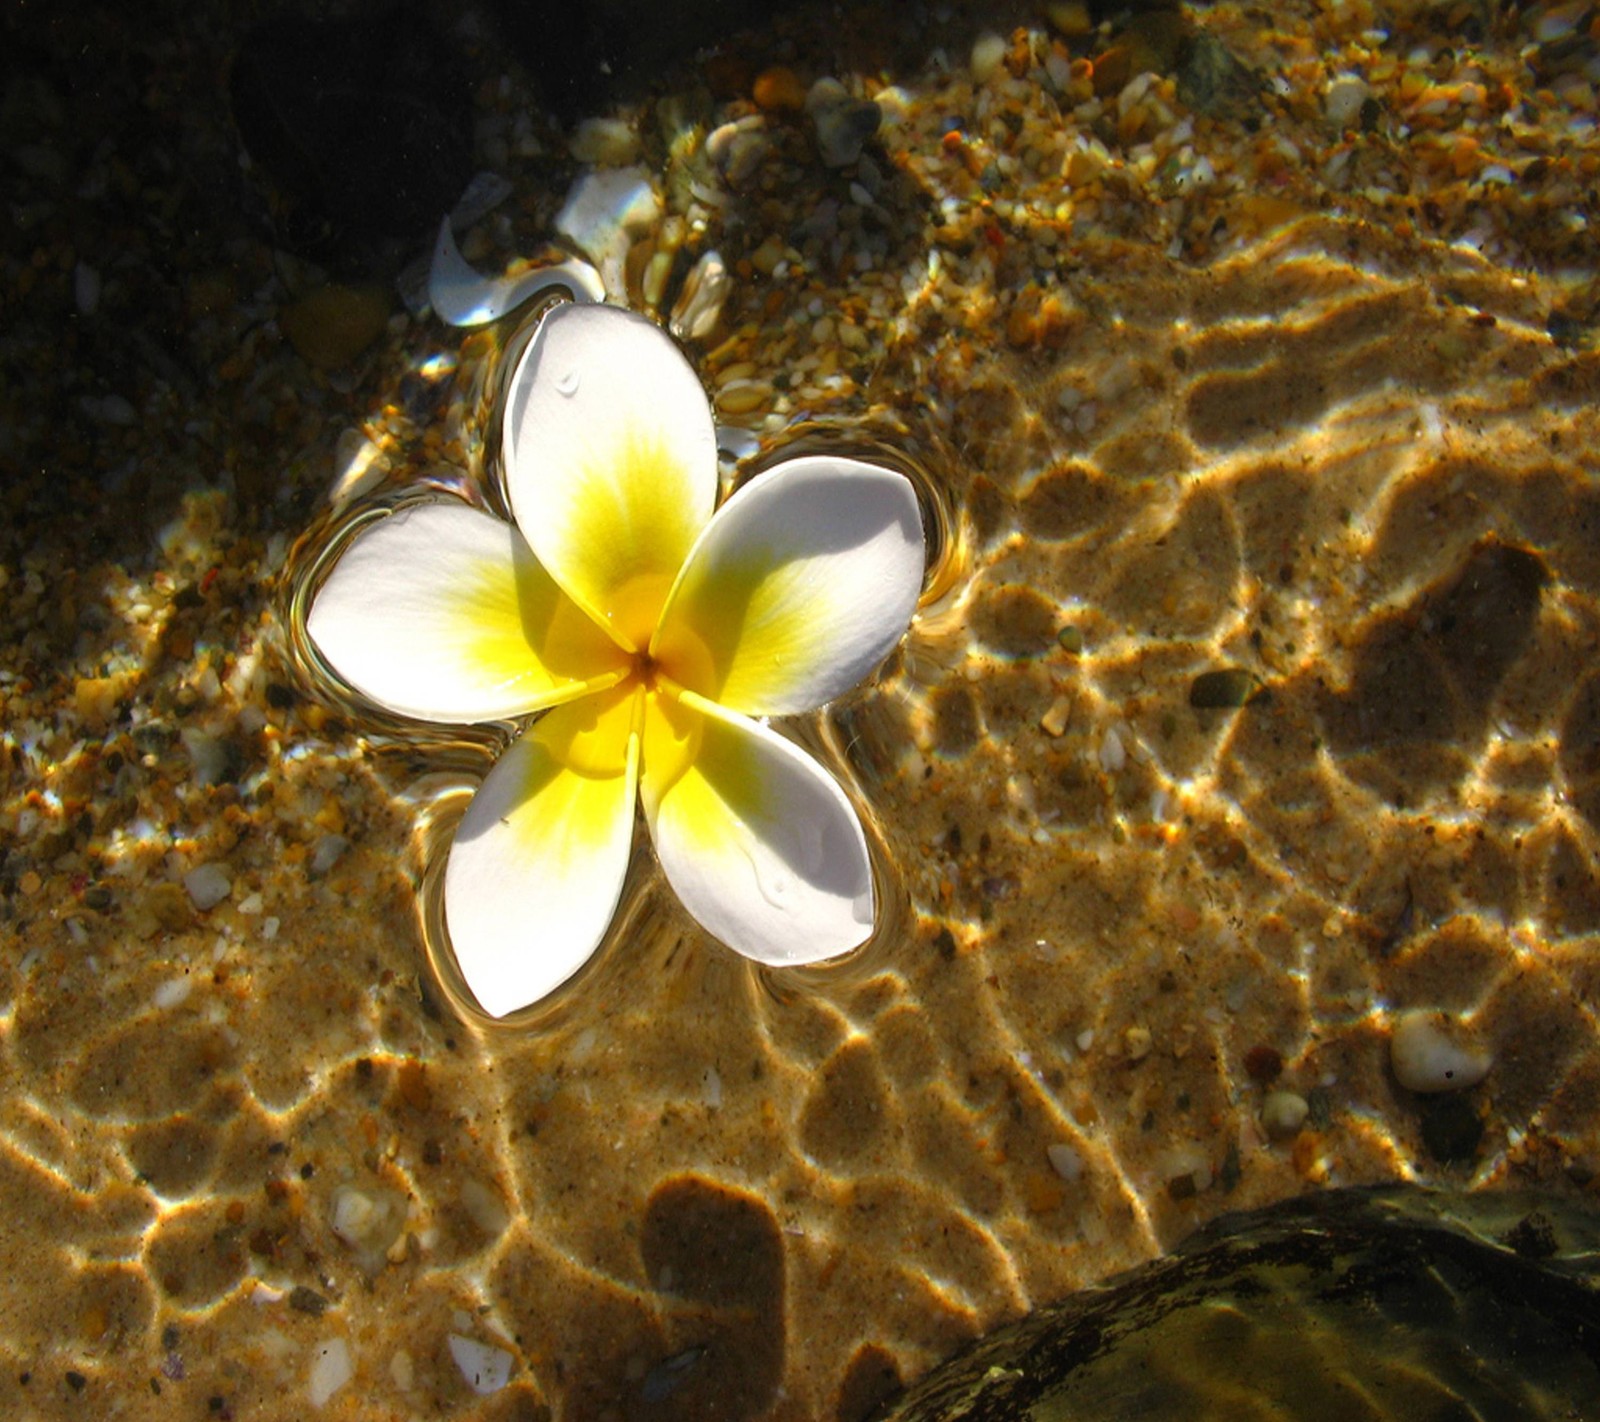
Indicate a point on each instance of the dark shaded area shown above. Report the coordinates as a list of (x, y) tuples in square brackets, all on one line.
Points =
[(1262, 381), (1426, 678), (578, 53), (1422, 1303), (1070, 501), (360, 130), (716, 1255), (870, 1380)]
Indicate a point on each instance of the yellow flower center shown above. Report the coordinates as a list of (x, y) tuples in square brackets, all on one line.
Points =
[(652, 700)]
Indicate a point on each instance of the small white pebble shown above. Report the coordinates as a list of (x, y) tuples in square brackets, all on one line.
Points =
[(208, 885), (608, 142), (1428, 1052), (1345, 97), (487, 1369), (988, 51), (327, 852), (1112, 755), (1065, 1160), (250, 905), (331, 1369), (172, 991), (1283, 1113), (712, 1081), (402, 1371)]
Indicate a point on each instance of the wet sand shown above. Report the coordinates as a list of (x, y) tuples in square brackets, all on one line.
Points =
[(1323, 419)]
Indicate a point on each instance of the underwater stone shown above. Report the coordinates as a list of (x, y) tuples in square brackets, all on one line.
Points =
[(1224, 687), (988, 52), (368, 1220), (699, 305), (207, 885), (1428, 1053), (1430, 1316), (329, 851), (1283, 1113), (331, 1368), (605, 210), (840, 123), (486, 1369), (1344, 99), (605, 142)]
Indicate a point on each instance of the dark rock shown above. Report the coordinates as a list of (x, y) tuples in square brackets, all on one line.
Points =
[(1418, 1302)]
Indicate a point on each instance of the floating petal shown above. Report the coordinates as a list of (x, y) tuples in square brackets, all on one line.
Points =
[(462, 296), (757, 839), (801, 584), (538, 862), (441, 612), (610, 461)]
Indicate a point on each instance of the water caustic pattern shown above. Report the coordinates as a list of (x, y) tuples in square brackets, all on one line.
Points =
[(252, 1162)]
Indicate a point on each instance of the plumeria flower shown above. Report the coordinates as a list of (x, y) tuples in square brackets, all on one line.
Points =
[(655, 636)]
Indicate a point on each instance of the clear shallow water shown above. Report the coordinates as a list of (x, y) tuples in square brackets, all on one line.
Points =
[(1348, 460)]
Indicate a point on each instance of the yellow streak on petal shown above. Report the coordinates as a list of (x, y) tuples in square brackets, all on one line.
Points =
[(673, 734), (503, 621), (627, 531), (591, 737), (733, 638), (713, 773)]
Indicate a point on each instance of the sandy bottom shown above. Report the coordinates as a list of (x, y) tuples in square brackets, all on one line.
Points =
[(1329, 453)]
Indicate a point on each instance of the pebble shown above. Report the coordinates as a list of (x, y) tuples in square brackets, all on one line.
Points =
[(739, 148), (699, 305), (208, 755), (1429, 1053), (1066, 1160), (1070, 17), (171, 992), (840, 123), (207, 885), (368, 1220), (1055, 719), (779, 89), (604, 211), (328, 851), (331, 1368), (486, 1368), (332, 325), (1283, 1113), (1113, 754), (1344, 99), (988, 53), (605, 142)]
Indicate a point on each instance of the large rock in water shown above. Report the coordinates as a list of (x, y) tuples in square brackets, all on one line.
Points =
[(1353, 1304)]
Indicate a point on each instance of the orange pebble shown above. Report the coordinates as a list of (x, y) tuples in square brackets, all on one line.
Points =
[(779, 88)]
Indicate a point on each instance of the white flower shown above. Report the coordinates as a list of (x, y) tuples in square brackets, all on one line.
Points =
[(654, 634)]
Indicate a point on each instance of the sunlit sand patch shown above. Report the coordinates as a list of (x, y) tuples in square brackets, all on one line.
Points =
[(1348, 463)]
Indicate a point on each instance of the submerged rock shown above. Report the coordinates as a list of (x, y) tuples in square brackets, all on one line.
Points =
[(1421, 1303)]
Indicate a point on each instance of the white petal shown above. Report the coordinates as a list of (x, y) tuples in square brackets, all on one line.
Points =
[(610, 461), (801, 584), (758, 840), (463, 296), (537, 864), (440, 611)]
